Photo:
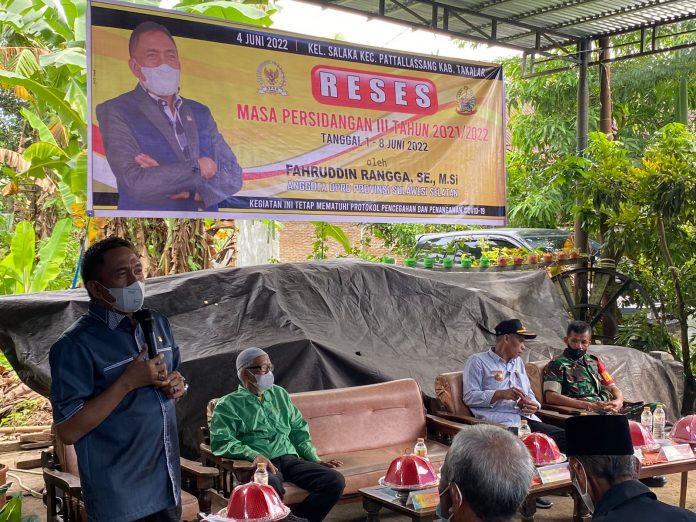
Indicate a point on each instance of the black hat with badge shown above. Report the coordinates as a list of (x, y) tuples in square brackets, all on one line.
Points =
[(513, 326)]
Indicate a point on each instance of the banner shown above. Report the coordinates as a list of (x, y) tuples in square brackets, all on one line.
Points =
[(197, 117)]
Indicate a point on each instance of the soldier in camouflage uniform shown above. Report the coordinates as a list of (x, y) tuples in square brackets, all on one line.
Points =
[(580, 380)]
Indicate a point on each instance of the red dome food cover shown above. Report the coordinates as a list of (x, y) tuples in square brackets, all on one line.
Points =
[(640, 436), (685, 429), (254, 502), (410, 472), (543, 449)]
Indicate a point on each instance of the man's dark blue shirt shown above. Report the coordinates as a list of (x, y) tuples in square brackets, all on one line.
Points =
[(129, 464)]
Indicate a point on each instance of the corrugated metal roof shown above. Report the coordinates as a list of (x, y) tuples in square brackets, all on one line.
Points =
[(530, 25)]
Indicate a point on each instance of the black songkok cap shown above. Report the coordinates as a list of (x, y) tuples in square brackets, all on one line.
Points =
[(513, 326), (598, 435)]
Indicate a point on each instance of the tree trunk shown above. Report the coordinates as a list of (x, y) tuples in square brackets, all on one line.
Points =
[(689, 382)]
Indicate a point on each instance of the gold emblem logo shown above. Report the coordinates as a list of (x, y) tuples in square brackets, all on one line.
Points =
[(499, 376), (271, 78), (466, 101)]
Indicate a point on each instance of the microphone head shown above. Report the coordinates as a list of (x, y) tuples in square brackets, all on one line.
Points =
[(142, 315)]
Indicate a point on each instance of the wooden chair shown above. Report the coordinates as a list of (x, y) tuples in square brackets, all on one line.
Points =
[(331, 415), (449, 391), (63, 495)]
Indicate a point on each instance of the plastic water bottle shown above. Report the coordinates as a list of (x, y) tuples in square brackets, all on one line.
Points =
[(646, 419), (524, 429), (659, 423), (261, 475), (420, 449)]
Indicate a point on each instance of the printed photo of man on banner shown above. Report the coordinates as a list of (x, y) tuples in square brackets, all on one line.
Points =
[(164, 150), (195, 117)]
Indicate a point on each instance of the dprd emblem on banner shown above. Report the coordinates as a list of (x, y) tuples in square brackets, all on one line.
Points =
[(466, 101), (271, 78)]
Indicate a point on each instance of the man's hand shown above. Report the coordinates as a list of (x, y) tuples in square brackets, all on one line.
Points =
[(594, 405), (145, 161), (269, 465), (614, 406), (333, 463), (208, 167), (527, 407), (173, 386), (143, 372), (511, 394)]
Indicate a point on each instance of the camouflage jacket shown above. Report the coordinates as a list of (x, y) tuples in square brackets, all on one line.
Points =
[(584, 378)]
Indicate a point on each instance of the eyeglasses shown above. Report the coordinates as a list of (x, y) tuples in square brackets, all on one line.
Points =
[(264, 368)]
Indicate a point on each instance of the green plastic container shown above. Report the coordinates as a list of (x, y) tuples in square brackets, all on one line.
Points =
[(448, 262), (410, 262), (484, 262), (428, 262), (466, 262)]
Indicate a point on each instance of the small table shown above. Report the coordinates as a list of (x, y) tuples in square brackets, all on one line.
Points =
[(376, 497), (667, 468)]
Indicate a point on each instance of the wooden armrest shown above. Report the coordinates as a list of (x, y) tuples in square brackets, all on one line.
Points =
[(225, 463), (553, 414), (464, 419), (440, 422), (197, 469), (242, 465), (567, 410), (65, 481), (553, 417)]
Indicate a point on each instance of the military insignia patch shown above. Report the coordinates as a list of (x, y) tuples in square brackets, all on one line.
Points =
[(271, 78)]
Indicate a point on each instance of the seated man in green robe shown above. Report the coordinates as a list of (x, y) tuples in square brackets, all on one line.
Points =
[(259, 423)]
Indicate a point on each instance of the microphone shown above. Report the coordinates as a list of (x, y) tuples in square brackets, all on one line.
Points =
[(144, 318)]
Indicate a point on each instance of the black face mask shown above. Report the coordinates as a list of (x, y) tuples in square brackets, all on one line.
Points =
[(575, 353)]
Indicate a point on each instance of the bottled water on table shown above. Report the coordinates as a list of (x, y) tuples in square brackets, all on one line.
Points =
[(261, 475), (659, 423), (646, 419), (420, 449), (524, 428)]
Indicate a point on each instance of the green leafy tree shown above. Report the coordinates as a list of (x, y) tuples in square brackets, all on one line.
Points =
[(24, 270), (44, 158)]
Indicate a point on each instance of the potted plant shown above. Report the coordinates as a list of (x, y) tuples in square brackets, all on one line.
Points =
[(517, 260), (502, 261), (547, 257), (533, 258), (562, 255)]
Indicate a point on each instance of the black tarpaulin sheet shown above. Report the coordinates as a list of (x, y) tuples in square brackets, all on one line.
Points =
[(327, 325)]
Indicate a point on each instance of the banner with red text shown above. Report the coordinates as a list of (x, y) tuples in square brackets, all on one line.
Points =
[(195, 117)]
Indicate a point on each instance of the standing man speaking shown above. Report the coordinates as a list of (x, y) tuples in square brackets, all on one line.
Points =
[(113, 402), (165, 151)]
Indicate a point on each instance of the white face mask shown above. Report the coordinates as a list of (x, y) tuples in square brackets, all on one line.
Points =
[(585, 496), (264, 381), (162, 80), (129, 299), (438, 509)]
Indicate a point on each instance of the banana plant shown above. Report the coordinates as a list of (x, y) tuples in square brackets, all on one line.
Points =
[(23, 270), (323, 232)]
